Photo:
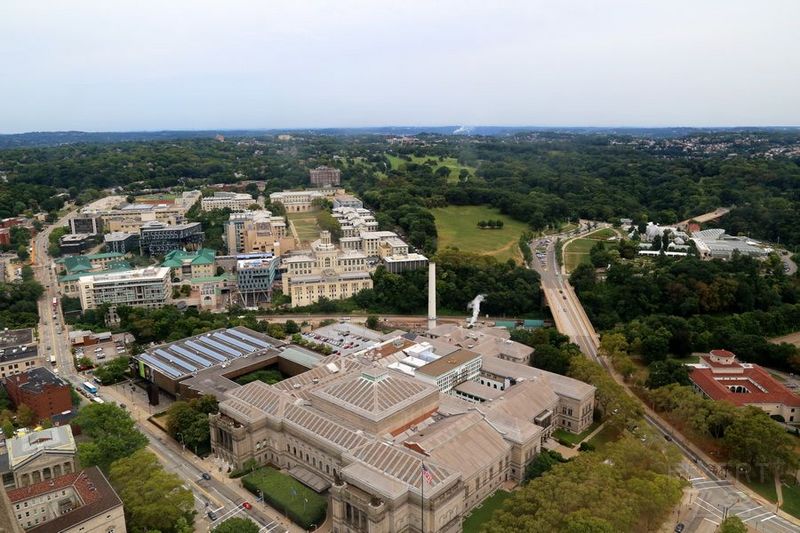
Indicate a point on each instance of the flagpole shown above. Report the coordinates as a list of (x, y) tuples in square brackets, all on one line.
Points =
[(422, 500)]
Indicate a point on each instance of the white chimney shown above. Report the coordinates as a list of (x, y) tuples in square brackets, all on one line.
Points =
[(431, 295)]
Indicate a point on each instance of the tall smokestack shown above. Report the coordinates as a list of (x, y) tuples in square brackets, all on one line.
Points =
[(431, 295)]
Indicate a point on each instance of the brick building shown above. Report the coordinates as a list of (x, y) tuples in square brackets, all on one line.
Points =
[(41, 390), (325, 176)]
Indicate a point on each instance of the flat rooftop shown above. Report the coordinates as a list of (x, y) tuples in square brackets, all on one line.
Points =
[(18, 352), (37, 379), (180, 359), (447, 363), (344, 338), (16, 337)]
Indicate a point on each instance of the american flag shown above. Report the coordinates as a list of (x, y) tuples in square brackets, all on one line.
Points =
[(427, 474)]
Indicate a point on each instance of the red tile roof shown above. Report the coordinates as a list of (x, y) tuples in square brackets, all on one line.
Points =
[(722, 353), (717, 390)]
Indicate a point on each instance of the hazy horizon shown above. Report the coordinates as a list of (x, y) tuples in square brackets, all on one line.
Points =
[(186, 66)]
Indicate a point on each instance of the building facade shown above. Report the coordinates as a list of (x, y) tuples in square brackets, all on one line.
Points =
[(79, 502), (148, 287), (188, 265), (157, 238), (18, 352), (39, 456), (323, 176), (90, 223), (121, 242), (324, 270), (41, 390), (256, 231), (301, 201), (235, 201), (254, 279)]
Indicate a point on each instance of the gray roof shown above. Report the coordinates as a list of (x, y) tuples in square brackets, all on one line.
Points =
[(53, 440), (562, 385)]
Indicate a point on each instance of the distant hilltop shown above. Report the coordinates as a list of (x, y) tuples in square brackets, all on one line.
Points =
[(55, 138)]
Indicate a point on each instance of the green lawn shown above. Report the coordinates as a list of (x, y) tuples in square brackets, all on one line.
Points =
[(483, 513), (791, 499), (457, 226), (270, 376), (765, 489), (606, 435), (305, 224), (572, 438), (449, 162), (287, 495), (577, 251)]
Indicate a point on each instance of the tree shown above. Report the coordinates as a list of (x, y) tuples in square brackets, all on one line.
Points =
[(372, 322), (22, 252), (666, 372), (236, 525), (5, 401), (552, 359), (113, 433), (542, 463), (754, 439), (153, 498), (291, 327), (112, 372), (8, 429), (732, 524), (25, 415)]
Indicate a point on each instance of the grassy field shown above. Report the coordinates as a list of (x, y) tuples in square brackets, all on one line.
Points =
[(791, 499), (482, 514), (604, 436), (457, 227), (792, 338), (151, 197), (765, 489), (306, 225), (304, 506), (449, 162), (577, 251), (572, 438)]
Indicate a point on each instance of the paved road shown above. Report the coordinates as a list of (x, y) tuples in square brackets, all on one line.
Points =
[(715, 496)]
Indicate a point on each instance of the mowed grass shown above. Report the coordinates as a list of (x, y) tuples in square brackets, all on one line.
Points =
[(577, 251), (305, 224), (791, 499), (604, 436), (457, 226), (480, 515), (303, 506), (449, 162)]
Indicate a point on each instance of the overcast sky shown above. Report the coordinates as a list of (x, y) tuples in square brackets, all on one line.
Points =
[(179, 64)]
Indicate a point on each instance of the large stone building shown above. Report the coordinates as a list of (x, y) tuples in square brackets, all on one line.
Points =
[(147, 287), (364, 424), (323, 176), (41, 390), (301, 201), (257, 231), (720, 376), (38, 456), (78, 502), (235, 201), (324, 270)]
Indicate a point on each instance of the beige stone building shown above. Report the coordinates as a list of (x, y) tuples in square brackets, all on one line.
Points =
[(38, 456), (364, 429), (256, 231), (301, 201), (80, 502), (324, 270)]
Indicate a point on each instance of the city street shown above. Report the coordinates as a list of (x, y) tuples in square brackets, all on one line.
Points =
[(716, 497)]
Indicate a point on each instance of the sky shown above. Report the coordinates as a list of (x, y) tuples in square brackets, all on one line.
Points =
[(125, 65)]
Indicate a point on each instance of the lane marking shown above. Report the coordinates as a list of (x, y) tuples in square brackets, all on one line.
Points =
[(756, 516)]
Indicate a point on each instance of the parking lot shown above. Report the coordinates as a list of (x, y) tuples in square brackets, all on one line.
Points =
[(344, 338), (102, 351)]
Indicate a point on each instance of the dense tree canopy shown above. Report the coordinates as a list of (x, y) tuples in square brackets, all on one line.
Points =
[(112, 432)]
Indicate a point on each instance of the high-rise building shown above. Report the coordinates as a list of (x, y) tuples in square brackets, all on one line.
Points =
[(325, 176), (255, 231), (255, 277), (148, 287)]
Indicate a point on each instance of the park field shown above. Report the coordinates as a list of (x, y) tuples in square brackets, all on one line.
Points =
[(577, 251), (457, 226), (449, 162)]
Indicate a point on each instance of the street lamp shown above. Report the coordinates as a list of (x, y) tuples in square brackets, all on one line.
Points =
[(180, 435)]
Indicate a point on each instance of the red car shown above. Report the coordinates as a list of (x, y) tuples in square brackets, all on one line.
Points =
[(247, 505)]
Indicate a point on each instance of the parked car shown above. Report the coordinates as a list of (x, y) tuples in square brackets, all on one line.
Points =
[(206, 475)]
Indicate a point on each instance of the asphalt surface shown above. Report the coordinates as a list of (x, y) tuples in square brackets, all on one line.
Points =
[(716, 497)]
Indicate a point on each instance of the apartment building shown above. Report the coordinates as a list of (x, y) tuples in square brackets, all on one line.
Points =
[(148, 287), (91, 223), (324, 176), (324, 270), (158, 238), (235, 201)]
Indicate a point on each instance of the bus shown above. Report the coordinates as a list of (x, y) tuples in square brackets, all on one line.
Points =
[(53, 359), (55, 303), (89, 387), (97, 400)]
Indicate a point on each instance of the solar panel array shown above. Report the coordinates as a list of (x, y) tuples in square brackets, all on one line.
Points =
[(184, 357)]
